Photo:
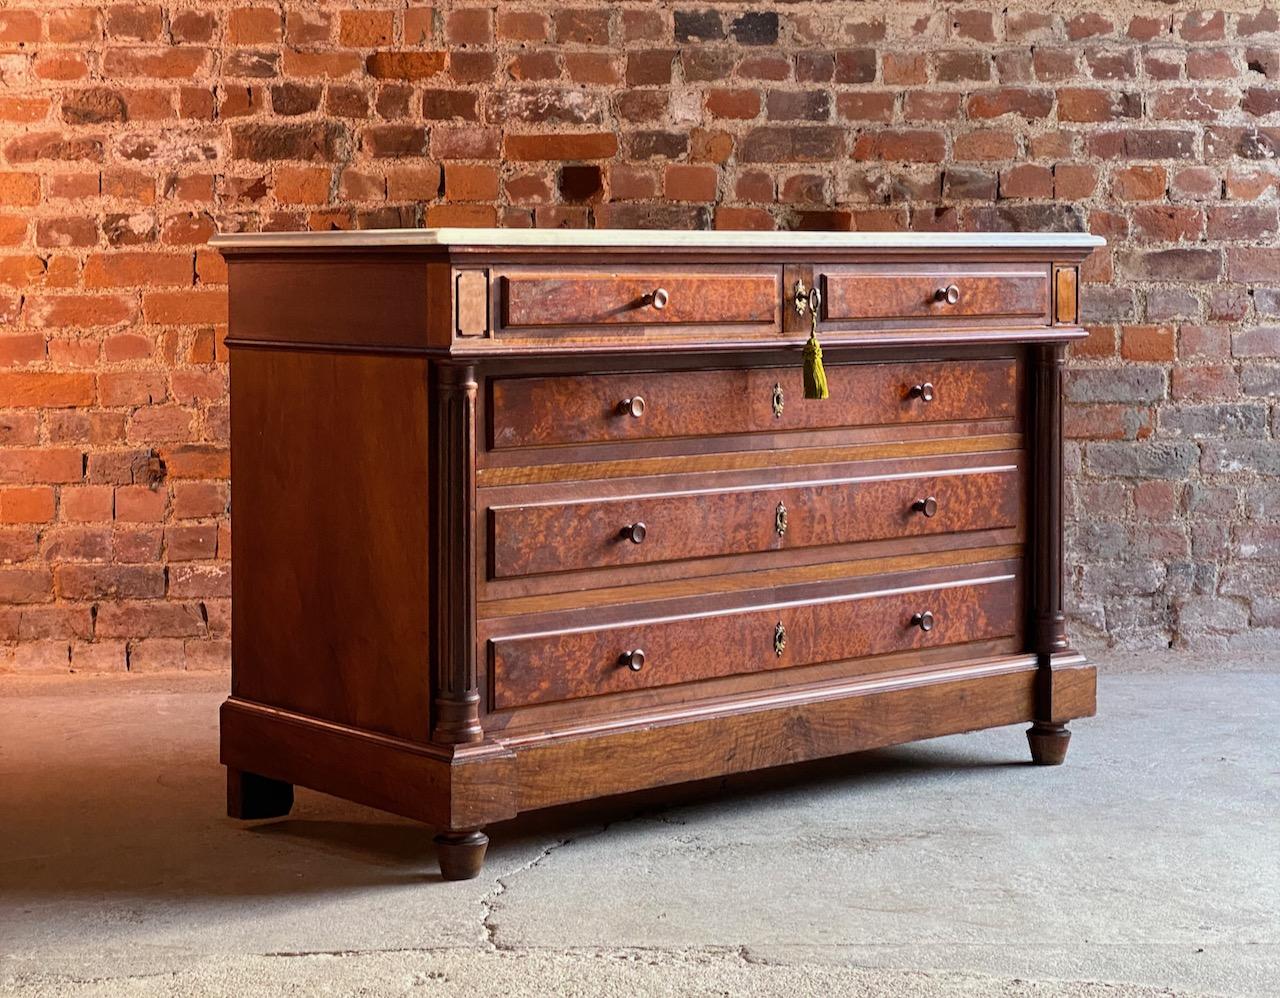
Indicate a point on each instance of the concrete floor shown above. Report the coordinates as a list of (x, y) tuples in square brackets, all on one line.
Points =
[(1148, 865)]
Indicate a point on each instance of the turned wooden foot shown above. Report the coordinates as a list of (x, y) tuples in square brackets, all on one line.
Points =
[(250, 796), (1048, 743), (461, 854)]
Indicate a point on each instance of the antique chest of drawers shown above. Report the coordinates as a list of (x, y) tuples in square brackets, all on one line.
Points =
[(524, 518)]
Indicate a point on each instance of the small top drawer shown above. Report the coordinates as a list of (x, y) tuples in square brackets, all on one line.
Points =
[(934, 293), (541, 298), (575, 409)]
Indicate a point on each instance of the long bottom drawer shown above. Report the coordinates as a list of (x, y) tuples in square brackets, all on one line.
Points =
[(589, 661)]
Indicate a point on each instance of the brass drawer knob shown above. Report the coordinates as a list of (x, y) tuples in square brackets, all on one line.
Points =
[(779, 639), (659, 298), (633, 660), (923, 392), (927, 506), (950, 294), (633, 407), (924, 621), (635, 533)]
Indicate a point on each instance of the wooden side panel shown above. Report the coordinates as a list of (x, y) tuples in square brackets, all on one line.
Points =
[(330, 546), (527, 412), (633, 530), (534, 299), (571, 664), (358, 301), (856, 294)]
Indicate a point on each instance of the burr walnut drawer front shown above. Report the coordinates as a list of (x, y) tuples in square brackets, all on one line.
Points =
[(644, 296), (680, 648), (576, 409), (934, 293), (564, 535)]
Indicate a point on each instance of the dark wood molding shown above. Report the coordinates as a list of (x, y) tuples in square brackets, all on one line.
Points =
[(1047, 546), (453, 440), (1046, 502)]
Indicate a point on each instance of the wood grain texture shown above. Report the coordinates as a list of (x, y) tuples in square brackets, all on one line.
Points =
[(744, 480), (1067, 688), (864, 715), (725, 694), (583, 663), (330, 546), (746, 573), (464, 789), (1065, 296), (851, 293), (363, 300), (781, 456), (471, 291), (526, 412), (559, 536), (591, 297), (622, 605)]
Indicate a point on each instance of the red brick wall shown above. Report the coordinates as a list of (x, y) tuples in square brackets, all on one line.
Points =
[(130, 133)]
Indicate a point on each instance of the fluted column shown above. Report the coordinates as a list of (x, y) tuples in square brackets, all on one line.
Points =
[(453, 461)]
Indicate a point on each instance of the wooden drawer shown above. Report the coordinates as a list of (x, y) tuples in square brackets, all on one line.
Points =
[(575, 409), (604, 532), (585, 662), (854, 293), (543, 298)]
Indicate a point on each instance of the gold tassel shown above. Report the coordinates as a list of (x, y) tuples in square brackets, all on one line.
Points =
[(815, 377)]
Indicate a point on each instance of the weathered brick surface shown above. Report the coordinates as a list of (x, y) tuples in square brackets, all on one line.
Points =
[(129, 133)]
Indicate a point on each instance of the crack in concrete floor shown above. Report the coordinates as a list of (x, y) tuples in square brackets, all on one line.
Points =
[(521, 973), (490, 904)]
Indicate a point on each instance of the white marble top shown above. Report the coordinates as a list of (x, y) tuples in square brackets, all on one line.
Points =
[(658, 238)]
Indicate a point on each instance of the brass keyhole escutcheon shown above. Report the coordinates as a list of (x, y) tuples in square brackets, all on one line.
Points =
[(806, 301), (777, 401), (779, 639), (780, 519)]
